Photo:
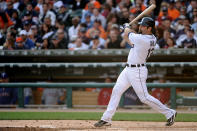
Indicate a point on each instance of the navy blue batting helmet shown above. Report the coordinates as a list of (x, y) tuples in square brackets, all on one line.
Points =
[(147, 21)]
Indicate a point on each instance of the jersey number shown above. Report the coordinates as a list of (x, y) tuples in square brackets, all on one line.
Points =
[(150, 51)]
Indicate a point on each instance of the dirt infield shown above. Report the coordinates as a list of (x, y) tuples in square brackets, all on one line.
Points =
[(87, 125)]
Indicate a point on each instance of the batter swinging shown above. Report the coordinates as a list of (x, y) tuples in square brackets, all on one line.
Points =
[(135, 73)]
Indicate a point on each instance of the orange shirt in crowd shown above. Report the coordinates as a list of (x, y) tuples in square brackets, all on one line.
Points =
[(96, 5), (173, 13), (2, 23), (103, 34), (133, 10)]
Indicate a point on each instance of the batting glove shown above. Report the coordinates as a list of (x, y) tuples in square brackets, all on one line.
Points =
[(126, 25), (122, 27)]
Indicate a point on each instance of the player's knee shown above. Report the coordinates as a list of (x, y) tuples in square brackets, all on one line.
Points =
[(143, 100), (146, 99)]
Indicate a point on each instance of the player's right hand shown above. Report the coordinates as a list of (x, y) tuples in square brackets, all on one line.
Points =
[(122, 27), (126, 25)]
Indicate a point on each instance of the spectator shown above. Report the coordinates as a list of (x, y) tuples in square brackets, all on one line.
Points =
[(47, 13), (96, 43), (35, 37), (46, 31), (120, 6), (45, 44), (106, 10), (40, 6), (192, 5), (28, 96), (16, 20), (73, 30), (51, 96), (194, 14), (113, 41), (16, 4), (194, 25), (10, 8), (26, 25), (22, 6), (78, 45), (170, 43), (82, 35), (178, 5), (165, 25), (172, 11), (28, 13), (138, 8), (95, 3), (111, 5), (123, 16), (78, 4), (3, 5), (163, 41), (179, 23), (183, 12), (7, 95), (5, 21), (10, 39), (47, 21), (181, 35), (97, 16), (27, 43), (88, 11), (97, 26), (59, 42), (56, 5), (19, 44), (128, 3), (161, 94), (163, 15), (190, 41), (105, 93), (112, 18), (63, 15), (89, 23)]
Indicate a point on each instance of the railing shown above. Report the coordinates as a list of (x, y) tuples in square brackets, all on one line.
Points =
[(104, 52), (100, 64), (70, 86)]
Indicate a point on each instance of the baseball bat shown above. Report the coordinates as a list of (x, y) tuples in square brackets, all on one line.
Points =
[(145, 12)]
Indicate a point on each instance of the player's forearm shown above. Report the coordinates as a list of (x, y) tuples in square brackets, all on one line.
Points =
[(126, 35)]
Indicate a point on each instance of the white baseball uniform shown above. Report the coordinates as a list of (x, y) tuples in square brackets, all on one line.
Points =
[(136, 77)]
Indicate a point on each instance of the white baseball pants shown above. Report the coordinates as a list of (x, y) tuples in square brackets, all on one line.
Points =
[(135, 77)]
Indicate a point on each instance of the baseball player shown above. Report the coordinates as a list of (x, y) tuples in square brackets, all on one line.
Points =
[(135, 73)]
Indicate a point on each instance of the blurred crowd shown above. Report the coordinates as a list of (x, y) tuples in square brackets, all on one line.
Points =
[(92, 24)]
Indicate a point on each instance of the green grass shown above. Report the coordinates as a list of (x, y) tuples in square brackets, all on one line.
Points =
[(92, 116)]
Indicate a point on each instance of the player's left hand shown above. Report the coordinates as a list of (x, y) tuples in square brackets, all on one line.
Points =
[(122, 27), (126, 25)]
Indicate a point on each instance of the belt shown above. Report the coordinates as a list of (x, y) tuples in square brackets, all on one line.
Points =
[(136, 65)]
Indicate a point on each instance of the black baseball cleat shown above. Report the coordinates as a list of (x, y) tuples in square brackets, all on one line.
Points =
[(171, 120), (102, 123)]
